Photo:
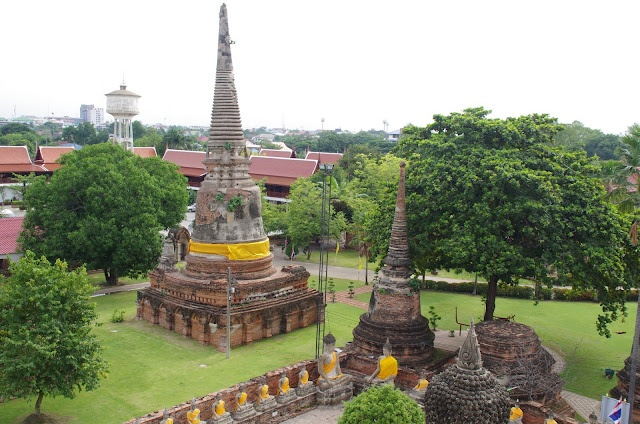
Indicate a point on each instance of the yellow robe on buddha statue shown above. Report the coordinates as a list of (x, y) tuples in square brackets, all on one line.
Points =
[(241, 400), (264, 392), (328, 369), (220, 408), (305, 378), (516, 413), (284, 387), (193, 417), (388, 367), (422, 384)]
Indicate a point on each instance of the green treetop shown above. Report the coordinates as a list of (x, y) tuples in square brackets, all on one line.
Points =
[(490, 196), (46, 345), (105, 207)]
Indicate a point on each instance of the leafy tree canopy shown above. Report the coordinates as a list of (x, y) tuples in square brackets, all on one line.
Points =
[(490, 196), (15, 128), (105, 207), (305, 214), (381, 404), (576, 137), (46, 345)]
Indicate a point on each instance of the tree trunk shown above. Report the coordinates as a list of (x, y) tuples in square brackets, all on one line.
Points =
[(309, 252), (490, 304), (38, 403), (111, 276), (366, 270)]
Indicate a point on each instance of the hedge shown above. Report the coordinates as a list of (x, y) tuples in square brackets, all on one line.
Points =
[(521, 292)]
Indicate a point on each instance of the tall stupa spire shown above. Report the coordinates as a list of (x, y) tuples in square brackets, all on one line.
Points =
[(394, 307), (226, 125), (228, 206)]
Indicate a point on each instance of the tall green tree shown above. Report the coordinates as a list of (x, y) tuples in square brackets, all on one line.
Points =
[(490, 196), (46, 345), (305, 215), (621, 178), (105, 207)]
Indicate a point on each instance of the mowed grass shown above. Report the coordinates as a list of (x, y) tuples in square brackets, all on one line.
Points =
[(97, 279), (152, 368), (566, 327)]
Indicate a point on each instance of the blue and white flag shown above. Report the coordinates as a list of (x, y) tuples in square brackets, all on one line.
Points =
[(616, 414)]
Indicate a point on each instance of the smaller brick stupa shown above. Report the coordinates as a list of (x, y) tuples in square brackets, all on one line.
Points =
[(228, 234), (394, 309), (466, 392)]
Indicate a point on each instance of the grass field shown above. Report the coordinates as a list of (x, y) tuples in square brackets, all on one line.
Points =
[(152, 368), (97, 279), (566, 327)]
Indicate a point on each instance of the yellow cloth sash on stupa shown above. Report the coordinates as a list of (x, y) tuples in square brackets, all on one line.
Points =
[(305, 377), (220, 408), (388, 367), (422, 384), (516, 413), (284, 387), (235, 252)]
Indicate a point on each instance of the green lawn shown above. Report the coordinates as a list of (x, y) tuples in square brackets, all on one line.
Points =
[(152, 368), (566, 327)]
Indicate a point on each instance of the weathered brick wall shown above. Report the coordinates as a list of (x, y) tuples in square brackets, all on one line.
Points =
[(282, 412), (536, 413)]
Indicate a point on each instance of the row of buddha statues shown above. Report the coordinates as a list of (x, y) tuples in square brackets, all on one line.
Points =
[(331, 387)]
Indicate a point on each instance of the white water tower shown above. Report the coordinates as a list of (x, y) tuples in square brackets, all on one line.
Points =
[(123, 106)]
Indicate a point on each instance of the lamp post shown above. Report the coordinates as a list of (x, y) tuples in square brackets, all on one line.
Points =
[(325, 221)]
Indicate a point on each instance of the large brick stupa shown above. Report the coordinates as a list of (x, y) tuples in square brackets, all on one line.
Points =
[(228, 233)]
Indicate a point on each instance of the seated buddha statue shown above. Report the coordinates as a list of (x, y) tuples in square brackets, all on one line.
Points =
[(386, 369), (265, 401), (329, 366), (285, 394), (515, 417), (419, 390), (304, 385), (243, 409), (193, 415), (220, 414), (165, 418)]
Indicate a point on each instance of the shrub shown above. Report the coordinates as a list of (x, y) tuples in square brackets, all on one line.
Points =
[(118, 316), (433, 317), (381, 404)]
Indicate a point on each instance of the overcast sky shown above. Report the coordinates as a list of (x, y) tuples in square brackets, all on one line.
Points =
[(354, 63)]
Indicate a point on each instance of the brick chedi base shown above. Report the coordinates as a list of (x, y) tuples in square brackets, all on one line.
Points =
[(622, 388), (512, 351), (261, 308)]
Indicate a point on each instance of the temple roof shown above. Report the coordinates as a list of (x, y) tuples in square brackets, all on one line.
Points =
[(9, 230), (323, 157)]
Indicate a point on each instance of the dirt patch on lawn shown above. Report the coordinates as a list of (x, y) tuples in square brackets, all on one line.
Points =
[(43, 419)]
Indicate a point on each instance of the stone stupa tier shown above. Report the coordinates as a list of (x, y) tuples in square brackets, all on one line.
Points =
[(228, 233), (394, 308)]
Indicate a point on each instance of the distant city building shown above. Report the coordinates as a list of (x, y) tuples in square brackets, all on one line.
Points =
[(88, 113), (123, 106)]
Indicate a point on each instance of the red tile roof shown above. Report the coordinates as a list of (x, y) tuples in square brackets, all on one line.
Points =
[(281, 171), (9, 230), (273, 153), (49, 154), (190, 162), (14, 155), (323, 157), (145, 152)]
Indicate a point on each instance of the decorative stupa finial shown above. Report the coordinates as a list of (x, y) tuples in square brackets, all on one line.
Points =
[(224, 42), (469, 355)]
